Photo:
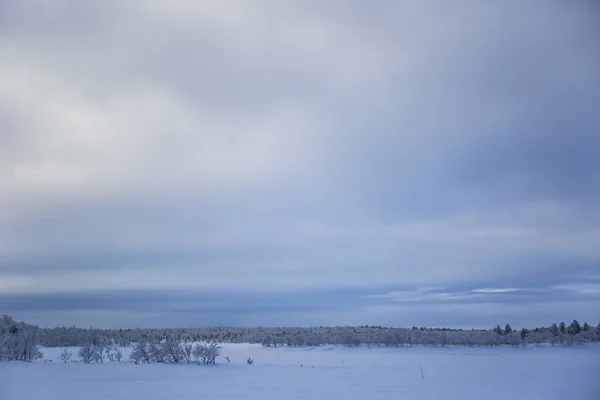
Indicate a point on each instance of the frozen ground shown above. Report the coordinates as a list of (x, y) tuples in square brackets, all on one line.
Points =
[(339, 373)]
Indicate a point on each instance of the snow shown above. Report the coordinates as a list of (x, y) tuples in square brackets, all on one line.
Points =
[(338, 373)]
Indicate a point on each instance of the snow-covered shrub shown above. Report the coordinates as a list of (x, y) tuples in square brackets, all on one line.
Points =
[(99, 353), (118, 355), (206, 354), (156, 351), (18, 341), (172, 350), (139, 353), (113, 354), (87, 353)]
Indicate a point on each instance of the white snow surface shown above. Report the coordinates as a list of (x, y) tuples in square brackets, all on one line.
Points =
[(333, 372)]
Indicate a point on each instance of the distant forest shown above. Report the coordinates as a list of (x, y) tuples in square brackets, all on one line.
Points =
[(20, 341)]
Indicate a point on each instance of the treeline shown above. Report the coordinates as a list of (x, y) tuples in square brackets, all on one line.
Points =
[(435, 337), (19, 341), (556, 333), (339, 335)]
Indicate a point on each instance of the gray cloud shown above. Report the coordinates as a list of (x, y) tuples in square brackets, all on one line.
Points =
[(297, 146), (410, 305)]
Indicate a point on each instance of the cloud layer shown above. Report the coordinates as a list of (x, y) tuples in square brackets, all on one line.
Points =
[(268, 148)]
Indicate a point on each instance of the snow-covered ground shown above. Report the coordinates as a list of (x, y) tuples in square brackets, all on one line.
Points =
[(321, 373)]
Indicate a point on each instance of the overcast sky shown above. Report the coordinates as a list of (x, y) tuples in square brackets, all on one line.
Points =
[(267, 162)]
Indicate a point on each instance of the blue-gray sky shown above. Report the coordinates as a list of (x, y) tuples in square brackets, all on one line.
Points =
[(261, 162)]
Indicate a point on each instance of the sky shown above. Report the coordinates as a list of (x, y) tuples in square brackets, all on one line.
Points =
[(263, 162)]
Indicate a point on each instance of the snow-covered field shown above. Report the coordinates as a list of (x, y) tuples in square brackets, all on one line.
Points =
[(321, 373)]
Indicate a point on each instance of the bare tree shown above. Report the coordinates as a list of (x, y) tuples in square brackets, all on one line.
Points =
[(214, 351), (206, 354), (156, 352), (172, 351), (65, 356), (186, 350)]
